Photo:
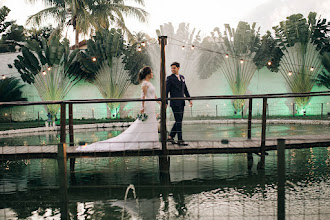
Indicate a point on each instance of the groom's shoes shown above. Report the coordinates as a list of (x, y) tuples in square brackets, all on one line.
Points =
[(171, 140), (182, 143)]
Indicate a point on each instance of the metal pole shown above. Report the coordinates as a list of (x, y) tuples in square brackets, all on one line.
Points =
[(293, 110), (321, 110), (163, 42), (250, 118), (216, 110), (281, 179)]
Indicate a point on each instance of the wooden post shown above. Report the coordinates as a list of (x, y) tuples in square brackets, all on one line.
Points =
[(63, 123), (250, 118), (263, 134), (216, 110), (281, 179), (163, 42), (72, 160), (61, 160)]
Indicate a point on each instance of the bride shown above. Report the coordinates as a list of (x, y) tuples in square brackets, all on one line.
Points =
[(143, 133)]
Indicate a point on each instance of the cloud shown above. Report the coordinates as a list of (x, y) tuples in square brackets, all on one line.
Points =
[(272, 12)]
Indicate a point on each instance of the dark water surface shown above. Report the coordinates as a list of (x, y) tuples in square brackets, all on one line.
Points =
[(196, 186)]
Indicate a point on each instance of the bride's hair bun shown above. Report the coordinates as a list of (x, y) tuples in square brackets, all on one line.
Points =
[(144, 72)]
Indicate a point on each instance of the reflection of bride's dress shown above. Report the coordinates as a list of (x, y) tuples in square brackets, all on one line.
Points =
[(140, 135)]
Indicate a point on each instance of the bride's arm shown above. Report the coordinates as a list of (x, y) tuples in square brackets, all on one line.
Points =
[(157, 101), (144, 90)]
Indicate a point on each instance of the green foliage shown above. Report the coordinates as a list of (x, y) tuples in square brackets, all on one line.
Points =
[(112, 65), (237, 57), (4, 11), (51, 68), (323, 79), (188, 58), (10, 90), (302, 42)]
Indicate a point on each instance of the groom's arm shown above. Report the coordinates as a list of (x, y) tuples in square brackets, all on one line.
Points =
[(187, 94), (168, 88)]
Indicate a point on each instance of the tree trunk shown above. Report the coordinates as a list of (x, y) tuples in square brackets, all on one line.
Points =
[(76, 39)]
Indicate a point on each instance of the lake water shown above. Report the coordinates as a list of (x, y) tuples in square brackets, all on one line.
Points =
[(196, 187)]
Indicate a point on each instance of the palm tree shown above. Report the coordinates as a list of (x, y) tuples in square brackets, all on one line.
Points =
[(236, 57), (302, 41), (84, 15), (10, 90), (112, 64), (51, 68)]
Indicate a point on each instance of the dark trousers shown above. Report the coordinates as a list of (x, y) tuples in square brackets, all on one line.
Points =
[(177, 127)]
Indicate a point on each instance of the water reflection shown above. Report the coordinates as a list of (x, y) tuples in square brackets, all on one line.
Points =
[(179, 187)]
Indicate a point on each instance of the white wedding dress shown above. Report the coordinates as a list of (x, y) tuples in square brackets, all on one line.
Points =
[(140, 135)]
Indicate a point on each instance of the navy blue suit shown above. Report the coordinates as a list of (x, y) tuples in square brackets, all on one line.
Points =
[(176, 88)]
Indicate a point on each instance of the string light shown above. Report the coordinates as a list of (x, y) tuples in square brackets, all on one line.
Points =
[(94, 59), (143, 44), (269, 63), (49, 68), (242, 61), (44, 73), (182, 47), (290, 73), (192, 47), (226, 55), (139, 49), (3, 77), (312, 69)]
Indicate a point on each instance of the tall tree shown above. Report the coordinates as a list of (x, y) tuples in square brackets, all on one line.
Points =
[(51, 68), (302, 41), (114, 65), (234, 53), (84, 15)]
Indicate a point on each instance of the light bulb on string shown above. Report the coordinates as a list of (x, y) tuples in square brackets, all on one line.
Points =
[(3, 77), (182, 47), (94, 59), (290, 73), (269, 63), (192, 47), (312, 69), (143, 44), (44, 73), (139, 49), (242, 61), (49, 68), (227, 56)]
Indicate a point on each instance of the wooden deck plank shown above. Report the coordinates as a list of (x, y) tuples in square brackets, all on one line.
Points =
[(194, 147)]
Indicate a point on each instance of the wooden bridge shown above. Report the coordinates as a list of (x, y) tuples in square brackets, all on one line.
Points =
[(233, 145)]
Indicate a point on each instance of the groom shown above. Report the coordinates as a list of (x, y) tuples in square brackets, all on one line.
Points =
[(176, 86)]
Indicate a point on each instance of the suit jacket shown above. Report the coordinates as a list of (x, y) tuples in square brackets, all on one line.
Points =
[(176, 88)]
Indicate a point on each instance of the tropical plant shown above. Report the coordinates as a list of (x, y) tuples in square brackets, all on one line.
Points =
[(84, 15), (113, 65), (11, 90), (10, 32), (51, 68), (302, 42), (323, 79), (234, 53), (180, 48)]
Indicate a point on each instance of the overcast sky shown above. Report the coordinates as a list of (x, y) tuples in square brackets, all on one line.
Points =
[(202, 15)]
